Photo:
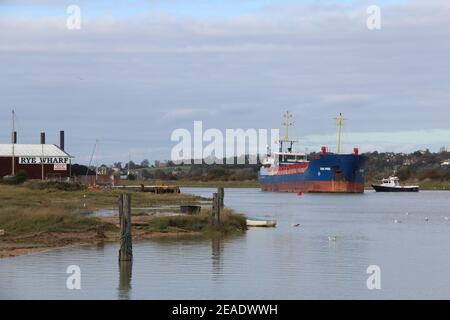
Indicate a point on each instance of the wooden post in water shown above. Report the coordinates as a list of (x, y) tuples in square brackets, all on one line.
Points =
[(126, 247), (216, 209), (221, 193)]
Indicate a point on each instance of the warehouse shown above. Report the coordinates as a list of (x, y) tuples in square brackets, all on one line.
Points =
[(39, 161)]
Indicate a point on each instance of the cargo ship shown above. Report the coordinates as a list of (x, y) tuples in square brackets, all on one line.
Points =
[(288, 171)]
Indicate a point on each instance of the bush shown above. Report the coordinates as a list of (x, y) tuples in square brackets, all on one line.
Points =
[(218, 173), (19, 178)]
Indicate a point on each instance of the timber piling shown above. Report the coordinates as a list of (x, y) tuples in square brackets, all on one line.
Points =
[(126, 246)]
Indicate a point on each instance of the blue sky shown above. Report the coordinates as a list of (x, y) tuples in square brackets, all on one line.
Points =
[(194, 8), (134, 73)]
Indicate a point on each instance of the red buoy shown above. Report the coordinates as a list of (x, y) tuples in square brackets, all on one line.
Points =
[(299, 193)]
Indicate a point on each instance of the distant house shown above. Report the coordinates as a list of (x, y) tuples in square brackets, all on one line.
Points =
[(408, 162), (445, 162), (116, 170)]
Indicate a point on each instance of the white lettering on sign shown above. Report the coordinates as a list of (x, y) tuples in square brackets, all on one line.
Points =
[(44, 160), (60, 167)]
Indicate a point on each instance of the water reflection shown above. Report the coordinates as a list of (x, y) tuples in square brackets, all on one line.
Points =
[(125, 275), (100, 246), (216, 253)]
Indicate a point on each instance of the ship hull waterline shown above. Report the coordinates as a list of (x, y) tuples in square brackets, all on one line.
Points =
[(315, 187)]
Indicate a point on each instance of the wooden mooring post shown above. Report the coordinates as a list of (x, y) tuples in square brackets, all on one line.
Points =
[(126, 247), (216, 209), (221, 193)]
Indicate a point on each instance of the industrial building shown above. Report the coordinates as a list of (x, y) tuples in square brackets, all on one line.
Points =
[(40, 161)]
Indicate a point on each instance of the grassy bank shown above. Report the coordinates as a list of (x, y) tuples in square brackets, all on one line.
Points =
[(17, 198), (434, 185), (35, 219)]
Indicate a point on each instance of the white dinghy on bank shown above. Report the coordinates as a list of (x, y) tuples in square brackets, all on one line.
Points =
[(258, 222)]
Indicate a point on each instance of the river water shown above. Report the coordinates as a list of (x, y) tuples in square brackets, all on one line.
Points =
[(326, 257)]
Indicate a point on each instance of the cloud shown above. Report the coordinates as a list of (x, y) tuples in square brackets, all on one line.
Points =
[(133, 79), (398, 141)]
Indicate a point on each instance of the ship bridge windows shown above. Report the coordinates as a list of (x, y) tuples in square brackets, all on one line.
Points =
[(290, 158)]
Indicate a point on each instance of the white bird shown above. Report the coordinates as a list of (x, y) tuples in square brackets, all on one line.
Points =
[(407, 214), (397, 221), (445, 218), (426, 218), (332, 238), (295, 225)]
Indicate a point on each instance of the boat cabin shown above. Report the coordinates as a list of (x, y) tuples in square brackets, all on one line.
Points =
[(391, 181)]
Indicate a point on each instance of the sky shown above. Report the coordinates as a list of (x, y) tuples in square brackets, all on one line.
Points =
[(137, 70)]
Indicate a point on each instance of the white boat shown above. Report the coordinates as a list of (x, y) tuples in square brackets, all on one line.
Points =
[(257, 222), (392, 184)]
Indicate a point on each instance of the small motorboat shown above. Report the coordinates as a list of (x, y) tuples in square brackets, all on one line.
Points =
[(257, 222), (392, 184)]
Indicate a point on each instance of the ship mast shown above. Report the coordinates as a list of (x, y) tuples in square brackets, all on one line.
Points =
[(286, 123), (340, 123)]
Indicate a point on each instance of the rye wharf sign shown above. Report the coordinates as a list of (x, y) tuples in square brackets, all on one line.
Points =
[(44, 160)]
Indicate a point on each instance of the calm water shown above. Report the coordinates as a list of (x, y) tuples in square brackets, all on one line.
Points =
[(284, 262)]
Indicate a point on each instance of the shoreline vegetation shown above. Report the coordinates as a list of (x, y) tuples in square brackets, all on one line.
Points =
[(426, 184), (196, 183), (429, 170), (39, 216)]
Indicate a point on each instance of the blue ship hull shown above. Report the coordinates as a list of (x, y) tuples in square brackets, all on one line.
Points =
[(323, 173)]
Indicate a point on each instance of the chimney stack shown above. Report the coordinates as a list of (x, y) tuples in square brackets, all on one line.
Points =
[(14, 137), (61, 140), (42, 137)]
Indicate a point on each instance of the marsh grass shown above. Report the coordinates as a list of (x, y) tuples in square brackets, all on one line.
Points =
[(54, 185), (201, 223), (39, 220), (25, 209)]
